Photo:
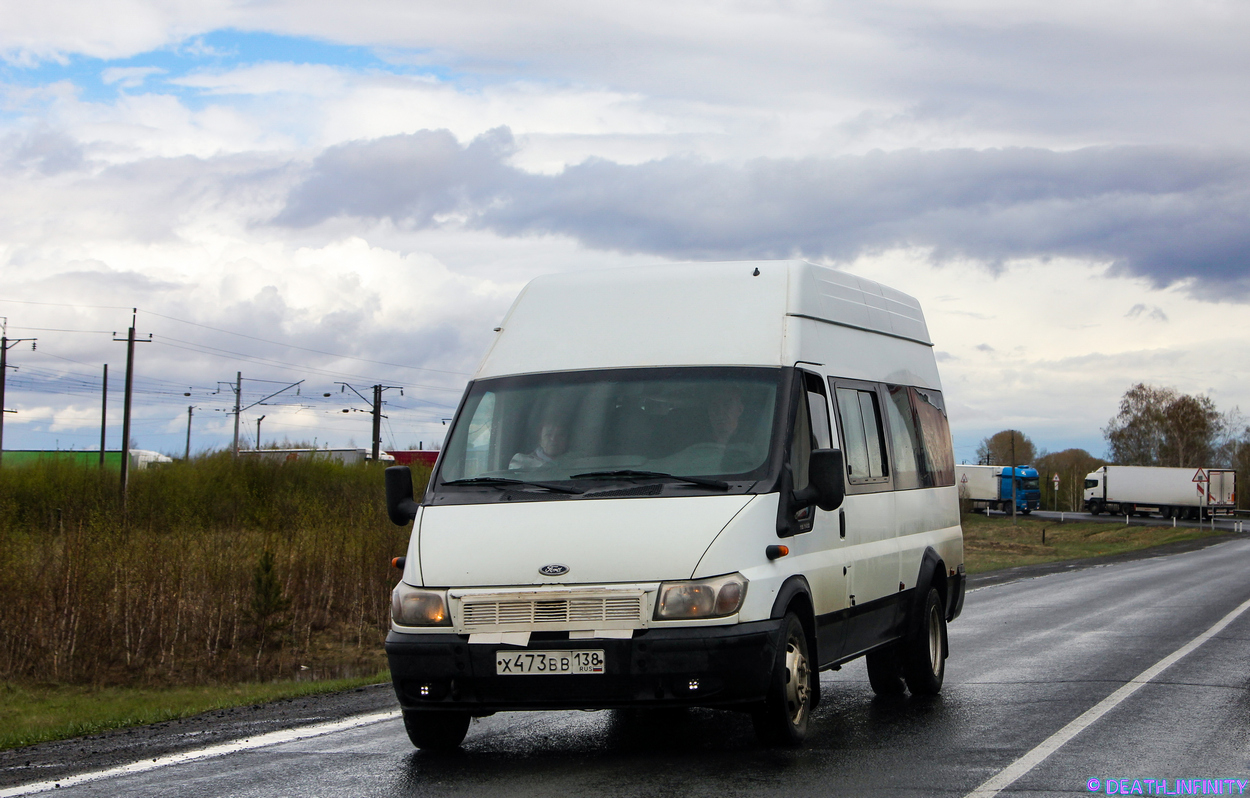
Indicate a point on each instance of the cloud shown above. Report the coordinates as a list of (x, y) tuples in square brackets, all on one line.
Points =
[(128, 77), (1166, 214), (41, 149), (414, 180)]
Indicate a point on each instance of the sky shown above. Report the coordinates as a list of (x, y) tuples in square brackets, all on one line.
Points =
[(329, 196)]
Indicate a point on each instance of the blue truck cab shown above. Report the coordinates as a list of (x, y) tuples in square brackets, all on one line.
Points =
[(1028, 489)]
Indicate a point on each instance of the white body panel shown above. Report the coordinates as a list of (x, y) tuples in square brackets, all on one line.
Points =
[(719, 314), (1154, 487), (604, 540), (978, 482)]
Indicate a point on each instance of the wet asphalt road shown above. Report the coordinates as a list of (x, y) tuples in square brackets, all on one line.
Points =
[(1027, 658)]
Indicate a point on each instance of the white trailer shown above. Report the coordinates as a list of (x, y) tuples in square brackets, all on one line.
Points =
[(1171, 492), (978, 482)]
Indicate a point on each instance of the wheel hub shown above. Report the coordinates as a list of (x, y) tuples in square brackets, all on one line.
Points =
[(935, 639), (798, 681)]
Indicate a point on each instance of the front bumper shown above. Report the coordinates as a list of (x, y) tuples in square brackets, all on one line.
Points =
[(703, 666)]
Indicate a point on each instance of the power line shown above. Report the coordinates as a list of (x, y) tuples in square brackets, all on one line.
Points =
[(304, 348)]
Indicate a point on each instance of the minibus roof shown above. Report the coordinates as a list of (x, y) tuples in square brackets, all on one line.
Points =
[(733, 313)]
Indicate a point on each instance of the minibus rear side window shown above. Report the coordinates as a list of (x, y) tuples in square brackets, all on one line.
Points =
[(862, 441), (904, 438), (938, 460)]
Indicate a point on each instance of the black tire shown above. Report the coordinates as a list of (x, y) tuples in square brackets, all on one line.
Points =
[(436, 731), (782, 718), (924, 651), (1095, 508), (885, 671)]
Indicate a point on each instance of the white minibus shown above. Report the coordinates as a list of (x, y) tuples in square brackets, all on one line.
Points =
[(682, 485)]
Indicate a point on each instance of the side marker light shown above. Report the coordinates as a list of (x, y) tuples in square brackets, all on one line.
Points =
[(773, 552)]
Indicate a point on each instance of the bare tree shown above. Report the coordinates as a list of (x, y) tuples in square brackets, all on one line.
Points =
[(997, 449), (1071, 465), (1162, 427)]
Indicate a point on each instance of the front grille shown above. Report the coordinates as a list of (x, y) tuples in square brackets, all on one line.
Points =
[(484, 612)]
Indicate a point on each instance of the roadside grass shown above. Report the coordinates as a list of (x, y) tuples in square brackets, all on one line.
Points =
[(39, 713), (991, 544)]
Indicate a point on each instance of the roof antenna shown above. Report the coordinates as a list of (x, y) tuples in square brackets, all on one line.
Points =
[(756, 273)]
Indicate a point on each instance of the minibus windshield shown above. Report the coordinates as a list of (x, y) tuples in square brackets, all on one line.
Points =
[(696, 421)]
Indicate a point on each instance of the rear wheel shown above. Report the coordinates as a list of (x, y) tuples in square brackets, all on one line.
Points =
[(924, 652), (436, 731), (885, 671), (782, 718)]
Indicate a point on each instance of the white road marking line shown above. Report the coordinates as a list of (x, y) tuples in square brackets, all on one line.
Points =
[(260, 741), (1055, 741)]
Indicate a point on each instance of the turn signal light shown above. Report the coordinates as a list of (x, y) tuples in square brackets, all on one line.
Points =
[(773, 552)]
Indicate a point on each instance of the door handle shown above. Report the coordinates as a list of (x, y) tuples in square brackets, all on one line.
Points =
[(841, 523)]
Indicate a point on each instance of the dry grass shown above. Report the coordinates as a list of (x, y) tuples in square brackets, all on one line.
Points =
[(176, 591), (32, 714), (993, 543)]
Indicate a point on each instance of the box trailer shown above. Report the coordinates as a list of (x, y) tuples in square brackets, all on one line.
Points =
[(1191, 493)]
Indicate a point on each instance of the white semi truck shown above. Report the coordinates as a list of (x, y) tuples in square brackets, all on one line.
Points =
[(1191, 493)]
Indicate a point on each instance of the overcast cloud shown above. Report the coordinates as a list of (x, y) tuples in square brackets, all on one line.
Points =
[(1064, 186), (1161, 213)]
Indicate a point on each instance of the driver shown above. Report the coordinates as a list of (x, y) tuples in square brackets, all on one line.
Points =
[(553, 441)]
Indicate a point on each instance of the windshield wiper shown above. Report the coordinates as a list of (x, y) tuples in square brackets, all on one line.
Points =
[(627, 473), (501, 482)]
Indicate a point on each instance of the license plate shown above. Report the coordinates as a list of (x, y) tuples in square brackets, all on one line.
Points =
[(548, 663)]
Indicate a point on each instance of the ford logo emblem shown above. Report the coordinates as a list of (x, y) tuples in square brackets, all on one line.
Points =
[(555, 569)]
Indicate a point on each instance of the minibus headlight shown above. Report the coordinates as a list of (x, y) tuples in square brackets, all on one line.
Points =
[(415, 606), (701, 598)]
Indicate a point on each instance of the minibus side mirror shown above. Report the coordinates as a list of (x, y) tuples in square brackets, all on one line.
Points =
[(825, 487), (400, 505)]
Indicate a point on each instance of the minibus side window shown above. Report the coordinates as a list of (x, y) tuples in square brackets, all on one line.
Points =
[(861, 434), (818, 408), (903, 438), (801, 446), (938, 460)]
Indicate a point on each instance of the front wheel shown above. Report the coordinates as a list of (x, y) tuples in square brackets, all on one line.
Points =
[(436, 731), (782, 718), (924, 658)]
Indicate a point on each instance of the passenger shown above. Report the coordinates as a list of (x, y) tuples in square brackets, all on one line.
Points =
[(723, 413), (553, 441)]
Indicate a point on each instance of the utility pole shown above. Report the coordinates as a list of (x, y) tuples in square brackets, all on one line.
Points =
[(238, 399), (104, 413), (1013, 479), (6, 344), (187, 456), (376, 411), (239, 408), (262, 418), (130, 377)]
